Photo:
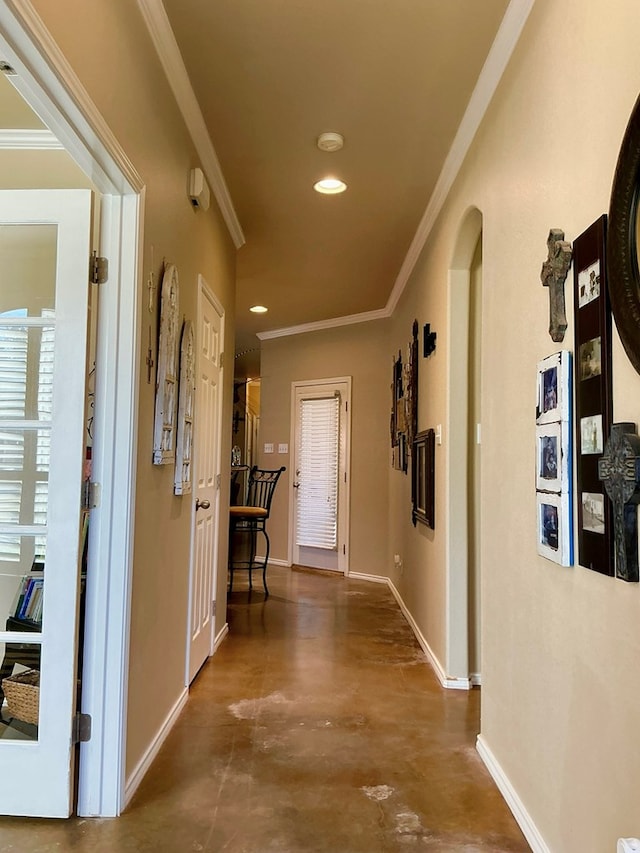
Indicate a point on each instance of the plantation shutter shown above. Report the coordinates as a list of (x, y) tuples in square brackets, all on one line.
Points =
[(318, 458)]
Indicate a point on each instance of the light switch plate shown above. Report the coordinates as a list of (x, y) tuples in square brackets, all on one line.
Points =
[(283, 448), (268, 448)]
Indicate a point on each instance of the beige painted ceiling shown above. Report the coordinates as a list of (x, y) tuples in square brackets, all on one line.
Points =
[(393, 76)]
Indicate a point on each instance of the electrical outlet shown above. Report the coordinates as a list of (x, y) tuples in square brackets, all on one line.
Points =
[(397, 561)]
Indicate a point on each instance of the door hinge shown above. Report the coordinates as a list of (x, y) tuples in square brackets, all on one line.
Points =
[(344, 549), (90, 494), (99, 269), (81, 728), (221, 360), (218, 481)]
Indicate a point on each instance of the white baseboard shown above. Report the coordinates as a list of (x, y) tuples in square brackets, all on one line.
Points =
[(273, 562), (445, 680), (220, 637), (522, 816), (449, 683), (476, 679), (145, 762), (360, 576)]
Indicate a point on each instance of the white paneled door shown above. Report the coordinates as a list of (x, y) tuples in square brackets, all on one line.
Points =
[(44, 261), (208, 413)]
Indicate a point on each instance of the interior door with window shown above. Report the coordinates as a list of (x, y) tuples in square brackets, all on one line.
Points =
[(44, 260), (320, 486)]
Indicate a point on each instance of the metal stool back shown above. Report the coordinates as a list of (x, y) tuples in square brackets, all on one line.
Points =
[(251, 518)]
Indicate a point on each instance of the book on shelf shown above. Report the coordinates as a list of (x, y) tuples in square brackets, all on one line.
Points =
[(27, 603)]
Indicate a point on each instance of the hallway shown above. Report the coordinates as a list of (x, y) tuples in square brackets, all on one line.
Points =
[(318, 726)]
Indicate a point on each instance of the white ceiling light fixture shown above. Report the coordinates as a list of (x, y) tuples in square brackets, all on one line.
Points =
[(330, 186), (330, 141), (258, 309)]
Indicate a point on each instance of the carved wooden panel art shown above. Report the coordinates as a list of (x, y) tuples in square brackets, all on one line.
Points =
[(186, 404), (164, 444)]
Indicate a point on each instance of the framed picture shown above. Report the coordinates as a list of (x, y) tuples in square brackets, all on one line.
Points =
[(404, 404), (553, 461), (423, 481), (593, 396), (554, 388), (554, 528)]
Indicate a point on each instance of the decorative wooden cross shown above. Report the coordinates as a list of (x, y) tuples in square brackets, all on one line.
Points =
[(619, 470), (553, 275)]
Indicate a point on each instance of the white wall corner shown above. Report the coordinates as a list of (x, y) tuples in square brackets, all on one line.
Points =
[(520, 813)]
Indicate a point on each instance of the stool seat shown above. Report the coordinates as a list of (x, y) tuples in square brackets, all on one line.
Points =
[(248, 512)]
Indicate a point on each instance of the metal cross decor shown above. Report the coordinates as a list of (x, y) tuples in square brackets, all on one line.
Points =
[(619, 470), (553, 275)]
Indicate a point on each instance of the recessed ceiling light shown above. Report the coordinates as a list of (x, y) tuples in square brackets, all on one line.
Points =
[(259, 309), (330, 186)]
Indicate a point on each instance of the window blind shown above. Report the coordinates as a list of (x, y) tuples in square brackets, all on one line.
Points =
[(318, 464)]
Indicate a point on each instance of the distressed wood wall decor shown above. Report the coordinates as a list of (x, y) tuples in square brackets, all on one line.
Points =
[(553, 275), (186, 406), (619, 470), (164, 447)]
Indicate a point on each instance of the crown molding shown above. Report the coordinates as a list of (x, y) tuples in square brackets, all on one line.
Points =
[(164, 40), (334, 322), (28, 140), (503, 46), (53, 90)]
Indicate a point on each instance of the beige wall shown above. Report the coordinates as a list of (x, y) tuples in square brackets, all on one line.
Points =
[(126, 81), (560, 646), (361, 352)]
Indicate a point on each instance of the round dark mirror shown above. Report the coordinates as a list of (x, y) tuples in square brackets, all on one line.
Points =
[(623, 262)]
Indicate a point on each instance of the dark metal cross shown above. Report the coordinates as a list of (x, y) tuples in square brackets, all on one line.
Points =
[(619, 470), (553, 275)]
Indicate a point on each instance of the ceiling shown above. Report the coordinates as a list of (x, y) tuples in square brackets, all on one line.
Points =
[(394, 77)]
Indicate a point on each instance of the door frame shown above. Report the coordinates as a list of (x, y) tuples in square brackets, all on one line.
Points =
[(205, 292), (458, 452), (47, 82), (344, 507)]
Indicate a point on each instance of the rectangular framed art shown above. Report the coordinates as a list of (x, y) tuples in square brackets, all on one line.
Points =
[(553, 458), (555, 541), (593, 396)]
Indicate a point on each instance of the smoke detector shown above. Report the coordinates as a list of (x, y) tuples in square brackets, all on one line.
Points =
[(330, 141)]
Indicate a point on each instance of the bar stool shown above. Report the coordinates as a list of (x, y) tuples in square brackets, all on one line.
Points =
[(251, 518)]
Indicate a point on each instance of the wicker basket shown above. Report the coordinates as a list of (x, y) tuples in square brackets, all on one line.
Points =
[(22, 692)]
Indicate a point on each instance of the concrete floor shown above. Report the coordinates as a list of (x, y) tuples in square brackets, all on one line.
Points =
[(318, 726)]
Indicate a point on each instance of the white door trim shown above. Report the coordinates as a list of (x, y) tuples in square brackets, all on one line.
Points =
[(48, 83), (344, 510)]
